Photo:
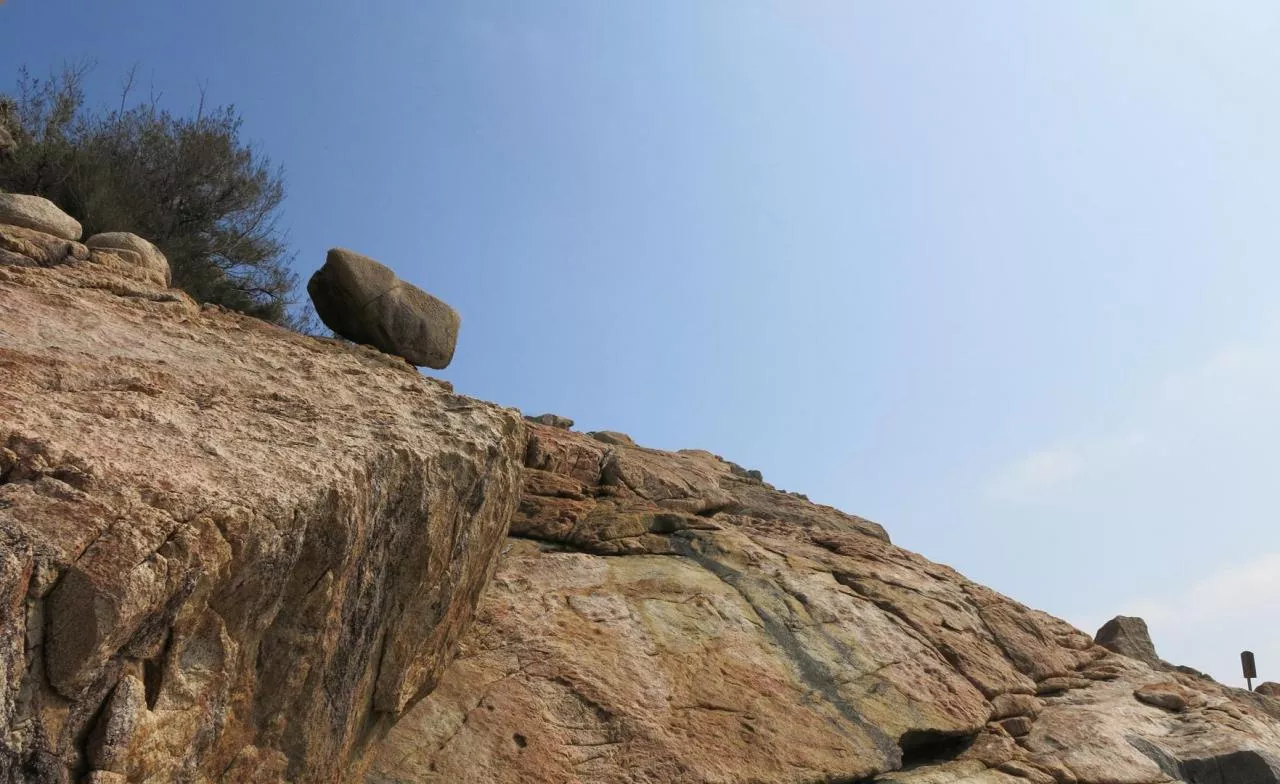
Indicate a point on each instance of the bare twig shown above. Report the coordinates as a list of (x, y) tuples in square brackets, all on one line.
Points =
[(204, 91), (126, 87)]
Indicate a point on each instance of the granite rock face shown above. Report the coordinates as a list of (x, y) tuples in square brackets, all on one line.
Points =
[(231, 553), (228, 552), (1128, 636), (663, 617), (364, 301)]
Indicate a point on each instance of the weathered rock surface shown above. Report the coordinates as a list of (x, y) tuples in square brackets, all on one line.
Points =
[(364, 301), (148, 255), (1128, 636), (552, 420), (38, 213), (1268, 689), (663, 617), (227, 552), (230, 553)]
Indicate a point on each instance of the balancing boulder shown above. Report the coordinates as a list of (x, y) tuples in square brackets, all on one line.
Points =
[(364, 301)]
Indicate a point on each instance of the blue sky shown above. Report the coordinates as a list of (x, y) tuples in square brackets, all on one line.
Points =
[(1001, 276)]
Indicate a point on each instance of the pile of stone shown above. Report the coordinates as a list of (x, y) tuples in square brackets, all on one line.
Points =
[(355, 296), (21, 213)]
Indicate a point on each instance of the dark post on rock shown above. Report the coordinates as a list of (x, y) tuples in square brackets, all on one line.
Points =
[(1250, 668)]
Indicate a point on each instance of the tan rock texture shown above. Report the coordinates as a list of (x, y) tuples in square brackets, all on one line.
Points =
[(664, 617), (1128, 636), (38, 213), (227, 552), (148, 255), (230, 553)]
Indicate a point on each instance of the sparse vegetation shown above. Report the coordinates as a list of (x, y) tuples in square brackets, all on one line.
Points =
[(189, 183)]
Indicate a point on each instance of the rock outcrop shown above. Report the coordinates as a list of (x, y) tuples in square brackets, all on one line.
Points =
[(231, 553), (149, 258), (1128, 636), (552, 420), (228, 552), (39, 214), (364, 301), (663, 617)]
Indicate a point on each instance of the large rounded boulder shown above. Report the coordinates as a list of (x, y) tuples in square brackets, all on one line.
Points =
[(39, 214), (364, 301), (144, 253)]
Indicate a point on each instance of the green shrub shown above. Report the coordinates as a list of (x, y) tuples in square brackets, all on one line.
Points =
[(189, 184)]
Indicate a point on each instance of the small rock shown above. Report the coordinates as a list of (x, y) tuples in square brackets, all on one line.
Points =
[(612, 437), (27, 247), (1106, 669), (1027, 772), (38, 213), (1268, 689), (1061, 684), (1005, 705), (1128, 636), (365, 302), (108, 745), (148, 255), (991, 748), (1017, 726), (1061, 773), (552, 420), (1169, 696)]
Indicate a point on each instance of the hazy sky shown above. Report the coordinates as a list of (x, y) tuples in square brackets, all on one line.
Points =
[(1002, 276)]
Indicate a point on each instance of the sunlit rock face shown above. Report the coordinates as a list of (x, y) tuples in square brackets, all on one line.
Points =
[(669, 617), (227, 552), (231, 553)]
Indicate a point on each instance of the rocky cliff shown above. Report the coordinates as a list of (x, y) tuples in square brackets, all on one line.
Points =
[(664, 617), (227, 552), (230, 553)]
